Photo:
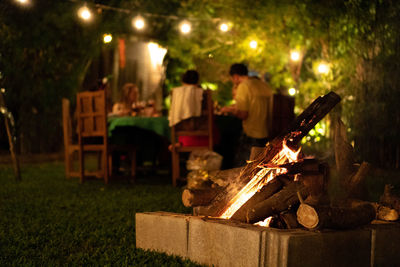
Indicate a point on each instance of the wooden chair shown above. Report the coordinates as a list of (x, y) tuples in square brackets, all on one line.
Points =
[(197, 126), (92, 131), (70, 149), (93, 136)]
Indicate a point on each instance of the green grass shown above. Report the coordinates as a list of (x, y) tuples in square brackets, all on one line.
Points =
[(49, 220)]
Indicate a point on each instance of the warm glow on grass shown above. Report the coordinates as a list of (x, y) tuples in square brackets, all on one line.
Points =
[(23, 2)]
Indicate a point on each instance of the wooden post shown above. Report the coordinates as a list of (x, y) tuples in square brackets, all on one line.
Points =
[(14, 157)]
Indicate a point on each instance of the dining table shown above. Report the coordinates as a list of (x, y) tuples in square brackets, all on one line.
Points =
[(150, 135), (158, 125)]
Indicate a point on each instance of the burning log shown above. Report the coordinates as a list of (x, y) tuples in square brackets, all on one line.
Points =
[(267, 191), (279, 202), (318, 217), (254, 175)]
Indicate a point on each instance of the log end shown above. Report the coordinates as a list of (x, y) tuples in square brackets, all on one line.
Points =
[(307, 216), (187, 198)]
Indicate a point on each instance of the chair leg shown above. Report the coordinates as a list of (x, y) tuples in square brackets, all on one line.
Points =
[(133, 165), (105, 165), (81, 166), (67, 163), (175, 167), (110, 165)]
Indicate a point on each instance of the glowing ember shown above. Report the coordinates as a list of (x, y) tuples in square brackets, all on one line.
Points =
[(264, 176), (265, 223)]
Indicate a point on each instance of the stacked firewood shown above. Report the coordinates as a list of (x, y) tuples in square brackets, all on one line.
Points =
[(299, 197)]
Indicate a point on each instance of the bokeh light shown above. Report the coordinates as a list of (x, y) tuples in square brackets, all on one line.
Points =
[(292, 91), (138, 22), (323, 68), (107, 38), (253, 44), (295, 55), (224, 27), (85, 13), (185, 27)]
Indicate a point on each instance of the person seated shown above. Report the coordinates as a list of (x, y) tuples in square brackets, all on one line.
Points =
[(128, 101), (186, 99), (186, 103)]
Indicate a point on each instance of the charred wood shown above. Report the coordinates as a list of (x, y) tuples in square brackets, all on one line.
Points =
[(279, 202), (267, 191)]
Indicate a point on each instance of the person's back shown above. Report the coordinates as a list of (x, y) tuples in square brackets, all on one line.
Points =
[(255, 96)]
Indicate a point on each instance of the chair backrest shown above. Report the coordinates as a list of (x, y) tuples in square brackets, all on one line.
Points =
[(92, 114), (197, 126)]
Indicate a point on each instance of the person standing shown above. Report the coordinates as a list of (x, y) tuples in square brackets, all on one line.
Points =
[(253, 106)]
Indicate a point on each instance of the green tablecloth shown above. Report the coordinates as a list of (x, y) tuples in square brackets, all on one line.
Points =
[(158, 125)]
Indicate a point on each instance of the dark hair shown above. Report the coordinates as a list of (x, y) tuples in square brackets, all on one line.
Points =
[(239, 69), (190, 77)]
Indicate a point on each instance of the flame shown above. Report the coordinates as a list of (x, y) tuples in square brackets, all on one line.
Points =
[(263, 176), (265, 223)]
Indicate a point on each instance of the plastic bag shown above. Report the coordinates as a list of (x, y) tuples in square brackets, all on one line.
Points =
[(205, 160)]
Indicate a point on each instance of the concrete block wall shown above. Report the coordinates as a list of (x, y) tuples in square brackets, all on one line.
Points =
[(163, 232), (224, 243), (227, 243)]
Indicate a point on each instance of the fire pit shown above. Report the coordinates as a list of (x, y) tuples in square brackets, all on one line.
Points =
[(283, 188), (222, 242)]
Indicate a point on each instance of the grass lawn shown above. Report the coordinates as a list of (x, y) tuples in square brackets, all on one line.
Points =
[(49, 220)]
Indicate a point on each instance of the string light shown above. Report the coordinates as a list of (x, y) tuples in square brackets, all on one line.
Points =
[(85, 13), (323, 68), (253, 44), (224, 27), (138, 22), (295, 55), (292, 91), (185, 27), (107, 38)]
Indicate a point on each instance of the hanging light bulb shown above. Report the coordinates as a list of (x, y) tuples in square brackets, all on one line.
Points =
[(323, 68), (138, 22), (85, 13), (185, 27), (107, 38), (224, 27), (253, 44), (295, 55), (292, 91)]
